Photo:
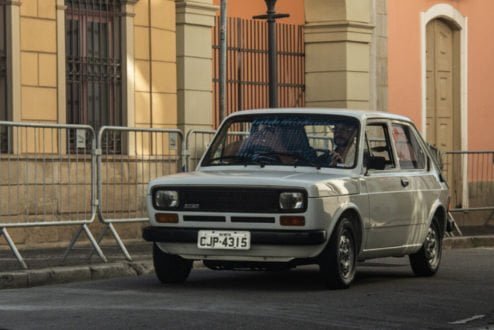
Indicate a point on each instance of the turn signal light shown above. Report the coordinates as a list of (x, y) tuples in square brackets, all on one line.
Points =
[(166, 217), (290, 220)]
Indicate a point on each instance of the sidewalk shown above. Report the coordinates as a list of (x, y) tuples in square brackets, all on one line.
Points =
[(46, 266)]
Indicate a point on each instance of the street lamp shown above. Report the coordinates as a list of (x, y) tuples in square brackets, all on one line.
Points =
[(271, 17)]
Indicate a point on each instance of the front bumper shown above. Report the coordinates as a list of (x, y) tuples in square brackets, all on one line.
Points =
[(261, 237)]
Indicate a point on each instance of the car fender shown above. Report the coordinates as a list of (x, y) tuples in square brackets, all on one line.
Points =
[(436, 206), (345, 207)]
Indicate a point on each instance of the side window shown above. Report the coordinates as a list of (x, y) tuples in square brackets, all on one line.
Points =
[(378, 143), (410, 153)]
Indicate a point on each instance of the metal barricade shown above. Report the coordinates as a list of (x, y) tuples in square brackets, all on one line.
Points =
[(47, 178), (470, 175), (196, 143), (127, 159)]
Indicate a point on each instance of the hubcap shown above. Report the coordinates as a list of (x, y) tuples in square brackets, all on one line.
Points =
[(345, 248), (431, 248)]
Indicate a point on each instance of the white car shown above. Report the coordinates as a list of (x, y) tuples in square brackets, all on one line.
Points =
[(286, 187)]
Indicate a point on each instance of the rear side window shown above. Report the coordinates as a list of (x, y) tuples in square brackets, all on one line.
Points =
[(410, 153)]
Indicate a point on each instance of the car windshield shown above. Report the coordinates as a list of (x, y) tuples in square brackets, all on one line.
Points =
[(287, 140)]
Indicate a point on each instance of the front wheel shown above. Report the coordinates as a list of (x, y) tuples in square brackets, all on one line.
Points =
[(170, 268), (426, 261), (337, 263)]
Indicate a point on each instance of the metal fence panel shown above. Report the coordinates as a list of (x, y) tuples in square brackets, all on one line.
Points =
[(125, 169), (46, 175), (196, 143), (47, 178), (471, 179), (124, 174)]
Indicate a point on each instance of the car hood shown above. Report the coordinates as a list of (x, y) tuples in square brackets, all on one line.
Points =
[(316, 184)]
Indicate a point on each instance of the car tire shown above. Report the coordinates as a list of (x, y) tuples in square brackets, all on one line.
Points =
[(170, 268), (337, 263), (426, 261)]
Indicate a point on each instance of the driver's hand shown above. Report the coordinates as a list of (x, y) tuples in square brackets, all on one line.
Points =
[(335, 158)]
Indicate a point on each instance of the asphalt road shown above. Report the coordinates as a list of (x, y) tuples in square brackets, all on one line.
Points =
[(384, 295)]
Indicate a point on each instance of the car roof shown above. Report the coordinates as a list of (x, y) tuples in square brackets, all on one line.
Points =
[(359, 114)]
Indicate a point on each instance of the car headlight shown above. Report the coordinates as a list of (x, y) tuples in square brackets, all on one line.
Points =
[(166, 199), (291, 200)]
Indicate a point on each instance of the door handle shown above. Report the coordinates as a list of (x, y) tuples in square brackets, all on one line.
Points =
[(405, 182)]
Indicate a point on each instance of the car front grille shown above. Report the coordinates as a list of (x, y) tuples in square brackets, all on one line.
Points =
[(229, 200)]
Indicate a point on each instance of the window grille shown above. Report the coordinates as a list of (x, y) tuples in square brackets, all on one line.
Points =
[(94, 63)]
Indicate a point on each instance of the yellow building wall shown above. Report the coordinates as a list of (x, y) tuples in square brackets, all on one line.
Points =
[(38, 47), (155, 64)]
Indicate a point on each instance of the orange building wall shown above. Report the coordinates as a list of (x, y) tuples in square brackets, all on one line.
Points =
[(404, 71), (249, 8)]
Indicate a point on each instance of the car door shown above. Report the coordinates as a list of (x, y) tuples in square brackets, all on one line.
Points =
[(390, 198), (422, 185)]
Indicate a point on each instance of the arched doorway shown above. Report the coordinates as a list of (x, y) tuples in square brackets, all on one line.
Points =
[(443, 112)]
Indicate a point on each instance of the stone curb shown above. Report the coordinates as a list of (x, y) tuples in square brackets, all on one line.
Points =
[(56, 275), (465, 242)]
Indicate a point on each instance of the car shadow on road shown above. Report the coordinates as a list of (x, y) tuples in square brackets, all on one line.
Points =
[(305, 278)]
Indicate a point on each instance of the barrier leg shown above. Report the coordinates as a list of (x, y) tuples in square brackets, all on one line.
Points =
[(100, 238), (12, 246), (455, 226), (119, 242), (72, 243), (489, 218), (90, 236), (95, 244)]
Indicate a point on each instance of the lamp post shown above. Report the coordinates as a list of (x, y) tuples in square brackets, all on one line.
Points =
[(271, 17)]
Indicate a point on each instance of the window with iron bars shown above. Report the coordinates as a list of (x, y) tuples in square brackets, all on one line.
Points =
[(3, 76), (94, 64)]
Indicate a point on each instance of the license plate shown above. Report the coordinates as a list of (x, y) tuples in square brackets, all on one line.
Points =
[(223, 240)]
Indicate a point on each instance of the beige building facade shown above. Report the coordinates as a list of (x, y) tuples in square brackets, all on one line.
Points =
[(166, 58), (157, 73), (148, 63), (345, 48), (128, 63)]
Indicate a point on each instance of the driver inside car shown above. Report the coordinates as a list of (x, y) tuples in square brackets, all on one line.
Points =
[(344, 138)]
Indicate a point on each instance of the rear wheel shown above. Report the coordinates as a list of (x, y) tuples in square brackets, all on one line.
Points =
[(170, 268), (426, 261), (338, 261)]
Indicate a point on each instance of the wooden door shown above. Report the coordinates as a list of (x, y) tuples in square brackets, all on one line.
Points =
[(442, 114)]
